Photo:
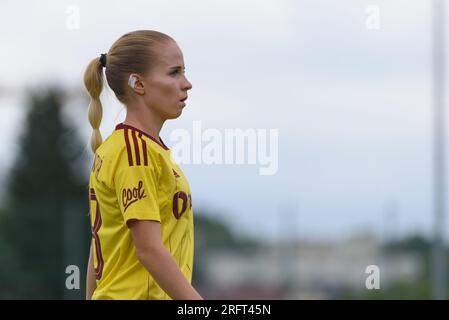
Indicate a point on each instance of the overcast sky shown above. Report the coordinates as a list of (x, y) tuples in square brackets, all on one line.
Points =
[(351, 100)]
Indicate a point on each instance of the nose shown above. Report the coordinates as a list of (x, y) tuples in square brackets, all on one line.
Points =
[(186, 85)]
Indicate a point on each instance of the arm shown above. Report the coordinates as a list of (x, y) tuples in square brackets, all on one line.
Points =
[(91, 283), (152, 253)]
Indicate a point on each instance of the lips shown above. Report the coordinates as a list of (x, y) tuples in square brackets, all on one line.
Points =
[(182, 100)]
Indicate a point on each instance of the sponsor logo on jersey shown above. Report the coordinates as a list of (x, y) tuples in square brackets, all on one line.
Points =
[(131, 195)]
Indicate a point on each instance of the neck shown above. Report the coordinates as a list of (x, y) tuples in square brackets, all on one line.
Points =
[(144, 120)]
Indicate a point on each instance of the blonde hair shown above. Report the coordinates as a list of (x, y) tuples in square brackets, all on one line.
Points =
[(134, 52)]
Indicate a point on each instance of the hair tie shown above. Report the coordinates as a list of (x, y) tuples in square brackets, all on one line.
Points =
[(103, 60)]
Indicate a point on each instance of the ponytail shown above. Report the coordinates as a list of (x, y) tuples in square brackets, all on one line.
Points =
[(93, 81)]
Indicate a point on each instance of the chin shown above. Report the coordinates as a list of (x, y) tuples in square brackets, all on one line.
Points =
[(174, 115)]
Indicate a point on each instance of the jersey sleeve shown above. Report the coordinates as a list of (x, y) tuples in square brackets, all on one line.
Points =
[(136, 187)]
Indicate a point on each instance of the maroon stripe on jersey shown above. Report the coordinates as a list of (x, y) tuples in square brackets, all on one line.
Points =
[(92, 194), (128, 148), (144, 150), (96, 227), (125, 126), (136, 147)]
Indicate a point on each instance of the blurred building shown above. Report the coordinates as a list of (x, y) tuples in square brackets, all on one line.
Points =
[(305, 270)]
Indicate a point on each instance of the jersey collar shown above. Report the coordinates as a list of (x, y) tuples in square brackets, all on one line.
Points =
[(126, 126)]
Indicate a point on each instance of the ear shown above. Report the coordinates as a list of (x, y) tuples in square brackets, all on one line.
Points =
[(136, 84)]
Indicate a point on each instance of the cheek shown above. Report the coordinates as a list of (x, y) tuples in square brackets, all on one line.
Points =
[(165, 91), (169, 91)]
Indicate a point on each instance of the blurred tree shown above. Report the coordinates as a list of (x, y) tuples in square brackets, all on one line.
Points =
[(212, 234), (413, 243), (44, 226)]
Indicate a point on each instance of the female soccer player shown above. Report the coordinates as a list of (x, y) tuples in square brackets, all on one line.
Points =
[(140, 203)]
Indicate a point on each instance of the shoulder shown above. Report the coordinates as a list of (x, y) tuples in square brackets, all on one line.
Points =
[(112, 147), (130, 148)]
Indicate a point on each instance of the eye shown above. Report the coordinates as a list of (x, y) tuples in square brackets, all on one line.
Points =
[(175, 72)]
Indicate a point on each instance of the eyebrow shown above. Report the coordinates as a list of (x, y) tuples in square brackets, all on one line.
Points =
[(177, 67)]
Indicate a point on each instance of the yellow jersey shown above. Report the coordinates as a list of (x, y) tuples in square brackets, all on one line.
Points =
[(134, 177)]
